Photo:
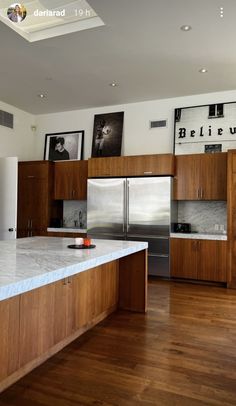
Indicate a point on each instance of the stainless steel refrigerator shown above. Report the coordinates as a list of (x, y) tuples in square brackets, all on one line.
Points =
[(133, 209)]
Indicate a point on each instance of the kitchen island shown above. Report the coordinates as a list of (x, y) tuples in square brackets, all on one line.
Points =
[(50, 295)]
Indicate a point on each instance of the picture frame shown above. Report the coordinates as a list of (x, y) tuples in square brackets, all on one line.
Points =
[(107, 134), (205, 128), (64, 146)]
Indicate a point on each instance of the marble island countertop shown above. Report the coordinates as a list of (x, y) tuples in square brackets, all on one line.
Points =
[(29, 263), (200, 236)]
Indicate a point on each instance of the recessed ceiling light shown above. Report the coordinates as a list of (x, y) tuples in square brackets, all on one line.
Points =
[(203, 70), (42, 96), (113, 84), (186, 27)]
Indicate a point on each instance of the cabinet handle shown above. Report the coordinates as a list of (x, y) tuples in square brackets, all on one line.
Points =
[(31, 176), (201, 193), (65, 281), (147, 173), (69, 279), (198, 194)]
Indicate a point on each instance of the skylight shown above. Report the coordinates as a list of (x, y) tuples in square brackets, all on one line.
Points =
[(41, 21)]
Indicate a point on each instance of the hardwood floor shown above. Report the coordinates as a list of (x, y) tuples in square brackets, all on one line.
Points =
[(183, 352)]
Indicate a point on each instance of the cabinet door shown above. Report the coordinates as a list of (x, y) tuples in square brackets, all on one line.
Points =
[(201, 177), (187, 179), (107, 167), (183, 258), (94, 292), (45, 319), (9, 337), (63, 185), (214, 176), (212, 262), (33, 198), (38, 190), (148, 165), (80, 176), (23, 207), (207, 260)]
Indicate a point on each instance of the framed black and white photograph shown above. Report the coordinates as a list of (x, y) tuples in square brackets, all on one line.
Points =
[(206, 128), (107, 134), (64, 146)]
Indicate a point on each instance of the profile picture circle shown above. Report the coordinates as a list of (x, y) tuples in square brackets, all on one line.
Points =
[(16, 12)]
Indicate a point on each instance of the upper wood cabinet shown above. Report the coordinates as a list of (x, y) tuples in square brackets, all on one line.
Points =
[(140, 165), (106, 167), (201, 177), (148, 165), (35, 186), (204, 260), (71, 180)]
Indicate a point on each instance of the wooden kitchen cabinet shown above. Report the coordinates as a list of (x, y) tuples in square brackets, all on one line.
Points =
[(35, 207), (149, 165), (183, 258), (140, 165), (201, 177), (107, 167), (9, 343), (231, 214), (204, 260), (52, 313), (94, 292), (45, 319), (71, 180)]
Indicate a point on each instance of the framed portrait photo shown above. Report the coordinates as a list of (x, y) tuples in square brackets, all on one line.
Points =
[(107, 134), (64, 146)]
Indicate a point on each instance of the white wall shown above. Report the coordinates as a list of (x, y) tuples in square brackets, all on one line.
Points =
[(137, 138), (19, 141)]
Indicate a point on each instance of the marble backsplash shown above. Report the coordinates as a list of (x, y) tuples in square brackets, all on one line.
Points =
[(75, 213), (204, 216)]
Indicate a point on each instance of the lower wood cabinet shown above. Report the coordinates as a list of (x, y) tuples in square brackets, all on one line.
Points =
[(45, 319), (9, 343), (50, 314), (204, 260)]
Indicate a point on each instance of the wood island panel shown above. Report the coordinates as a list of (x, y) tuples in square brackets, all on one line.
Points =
[(39, 323), (9, 333), (132, 280)]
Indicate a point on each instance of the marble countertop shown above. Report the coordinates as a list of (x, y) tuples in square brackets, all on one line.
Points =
[(200, 236), (67, 230), (29, 263)]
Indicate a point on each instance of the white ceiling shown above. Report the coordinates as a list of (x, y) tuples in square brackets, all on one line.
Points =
[(140, 46)]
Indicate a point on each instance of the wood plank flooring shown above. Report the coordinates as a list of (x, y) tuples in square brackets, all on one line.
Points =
[(183, 352)]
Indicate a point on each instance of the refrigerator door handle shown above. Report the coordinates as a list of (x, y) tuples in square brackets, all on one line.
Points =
[(127, 202), (124, 206)]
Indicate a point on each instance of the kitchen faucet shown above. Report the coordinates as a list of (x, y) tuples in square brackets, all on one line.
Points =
[(80, 219)]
